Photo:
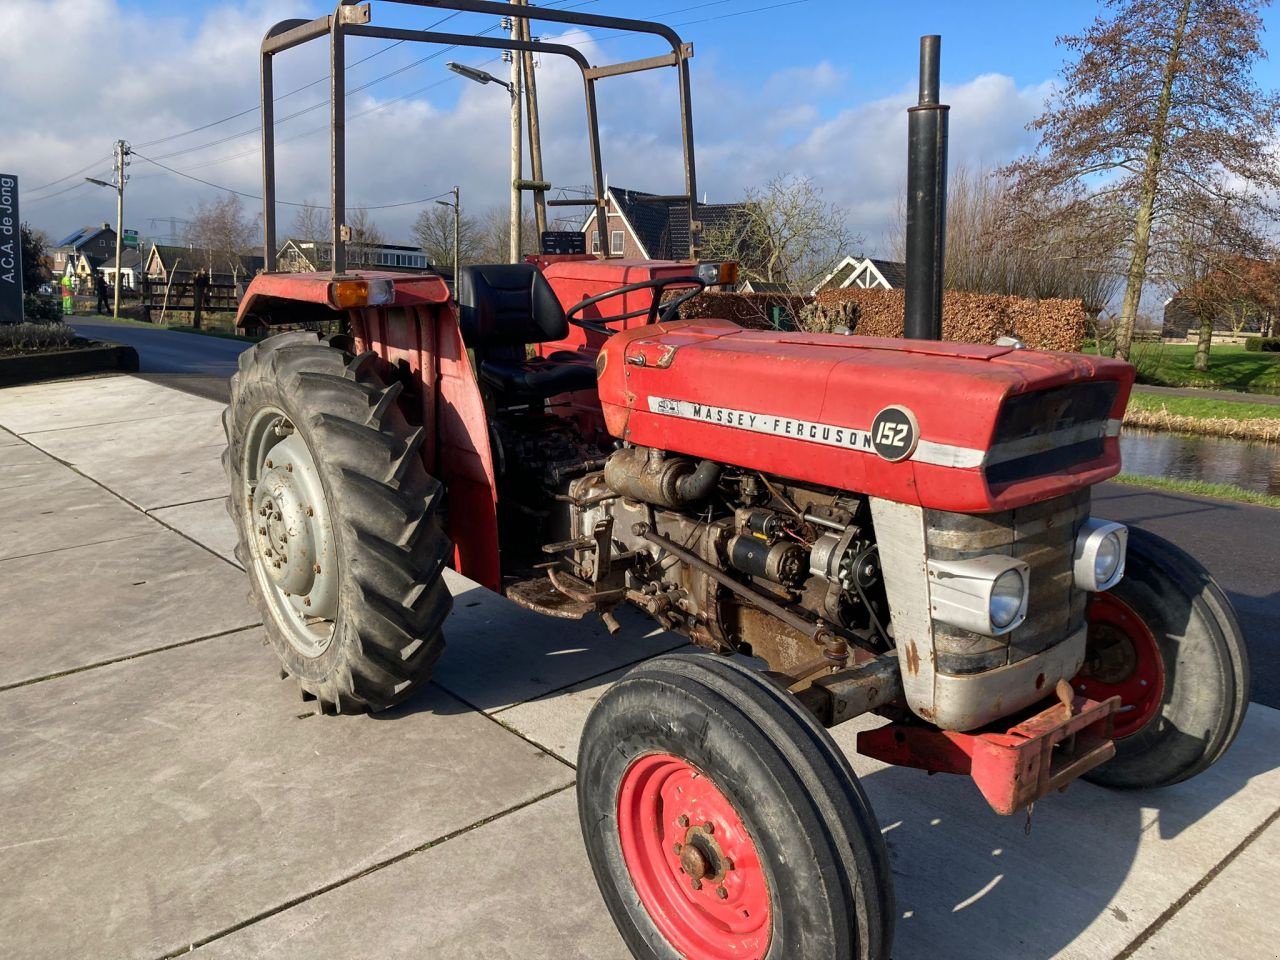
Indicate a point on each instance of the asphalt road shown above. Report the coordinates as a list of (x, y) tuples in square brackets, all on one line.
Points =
[(1238, 543), (189, 362)]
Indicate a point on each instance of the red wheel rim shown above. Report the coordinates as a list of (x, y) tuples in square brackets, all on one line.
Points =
[(1122, 660), (693, 863)]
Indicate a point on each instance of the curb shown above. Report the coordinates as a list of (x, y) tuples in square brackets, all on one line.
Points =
[(67, 363)]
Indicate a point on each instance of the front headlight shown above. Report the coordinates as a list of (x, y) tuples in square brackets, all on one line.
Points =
[(987, 595), (1006, 598), (1099, 554)]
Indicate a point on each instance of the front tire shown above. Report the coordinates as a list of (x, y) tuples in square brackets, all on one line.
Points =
[(721, 821), (1166, 641), (337, 522)]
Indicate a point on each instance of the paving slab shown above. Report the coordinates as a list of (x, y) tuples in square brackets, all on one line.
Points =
[(1234, 917), (8, 439), (84, 605), (152, 463), (153, 804), (533, 898), (500, 654), (78, 403), (206, 522), (55, 508), (1096, 869)]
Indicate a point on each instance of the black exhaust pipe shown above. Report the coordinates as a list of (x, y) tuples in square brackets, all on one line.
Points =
[(926, 200)]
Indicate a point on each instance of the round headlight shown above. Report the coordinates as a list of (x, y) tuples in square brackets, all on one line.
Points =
[(1107, 560), (1006, 598)]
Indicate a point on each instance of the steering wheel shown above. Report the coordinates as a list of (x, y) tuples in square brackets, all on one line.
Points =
[(657, 286)]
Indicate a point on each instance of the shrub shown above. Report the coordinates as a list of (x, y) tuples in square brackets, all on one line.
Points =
[(1263, 344), (17, 339), (36, 309)]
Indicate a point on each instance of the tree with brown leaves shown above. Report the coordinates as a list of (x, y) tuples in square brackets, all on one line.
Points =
[(1159, 112)]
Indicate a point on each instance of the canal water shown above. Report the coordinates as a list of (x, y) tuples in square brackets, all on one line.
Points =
[(1253, 466)]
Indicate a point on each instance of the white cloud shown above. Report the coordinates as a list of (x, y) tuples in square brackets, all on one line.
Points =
[(178, 72)]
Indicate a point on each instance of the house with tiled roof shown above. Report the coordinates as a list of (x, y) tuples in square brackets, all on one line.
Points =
[(97, 243), (865, 272), (642, 226), (179, 263)]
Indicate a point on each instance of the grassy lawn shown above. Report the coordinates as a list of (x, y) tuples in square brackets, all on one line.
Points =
[(1206, 408), (1200, 488), (1231, 367)]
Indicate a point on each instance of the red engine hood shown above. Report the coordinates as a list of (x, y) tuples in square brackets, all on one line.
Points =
[(802, 406)]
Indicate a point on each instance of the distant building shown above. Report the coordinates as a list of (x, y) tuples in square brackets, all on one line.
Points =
[(865, 272), (309, 256), (97, 243), (130, 270), (643, 228), (180, 264)]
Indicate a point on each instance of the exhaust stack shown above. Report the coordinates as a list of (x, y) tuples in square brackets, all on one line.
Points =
[(926, 200)]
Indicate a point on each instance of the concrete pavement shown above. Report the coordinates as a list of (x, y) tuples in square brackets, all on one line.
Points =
[(162, 792)]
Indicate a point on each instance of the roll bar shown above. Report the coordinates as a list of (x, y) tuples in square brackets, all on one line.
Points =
[(351, 18)]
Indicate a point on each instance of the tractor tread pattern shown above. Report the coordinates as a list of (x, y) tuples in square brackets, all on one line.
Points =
[(385, 510)]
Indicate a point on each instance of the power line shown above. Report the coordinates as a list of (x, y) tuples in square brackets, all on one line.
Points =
[(286, 203)]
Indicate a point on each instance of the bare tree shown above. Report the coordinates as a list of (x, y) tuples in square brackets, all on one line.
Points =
[(366, 237), (493, 233), (313, 222), (783, 233), (433, 232), (223, 232), (1003, 240), (1160, 110)]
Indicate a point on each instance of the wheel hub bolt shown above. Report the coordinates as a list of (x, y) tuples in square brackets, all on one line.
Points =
[(696, 884), (709, 827), (269, 464), (722, 893), (682, 820), (306, 601), (677, 848), (316, 568)]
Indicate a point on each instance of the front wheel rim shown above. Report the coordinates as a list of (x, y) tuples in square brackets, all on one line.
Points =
[(694, 865), (290, 532), (1122, 659)]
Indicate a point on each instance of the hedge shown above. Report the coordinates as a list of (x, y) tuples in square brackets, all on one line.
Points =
[(970, 317), (1263, 344), (966, 317)]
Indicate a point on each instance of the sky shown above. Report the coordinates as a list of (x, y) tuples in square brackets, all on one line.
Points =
[(814, 88)]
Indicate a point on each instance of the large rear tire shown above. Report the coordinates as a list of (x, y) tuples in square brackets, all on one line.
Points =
[(337, 522), (722, 822), (1166, 641)]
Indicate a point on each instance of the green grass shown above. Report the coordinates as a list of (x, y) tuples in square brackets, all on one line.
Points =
[(1201, 488), (1231, 367), (1202, 407)]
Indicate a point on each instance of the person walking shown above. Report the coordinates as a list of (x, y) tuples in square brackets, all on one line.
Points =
[(104, 300)]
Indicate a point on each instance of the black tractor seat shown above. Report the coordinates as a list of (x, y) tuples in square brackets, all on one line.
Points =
[(503, 308)]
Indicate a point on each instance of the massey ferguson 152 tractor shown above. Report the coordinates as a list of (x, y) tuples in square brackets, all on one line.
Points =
[(893, 527)]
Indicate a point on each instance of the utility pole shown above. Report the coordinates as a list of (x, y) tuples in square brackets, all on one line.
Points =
[(122, 153), (457, 229), (535, 133), (513, 24)]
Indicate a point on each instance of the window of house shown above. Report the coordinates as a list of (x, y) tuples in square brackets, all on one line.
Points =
[(615, 242), (595, 241)]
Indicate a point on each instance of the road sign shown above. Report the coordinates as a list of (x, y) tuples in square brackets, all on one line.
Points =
[(129, 238), (10, 251)]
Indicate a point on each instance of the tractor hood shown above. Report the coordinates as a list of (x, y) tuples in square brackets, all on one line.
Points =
[(949, 426)]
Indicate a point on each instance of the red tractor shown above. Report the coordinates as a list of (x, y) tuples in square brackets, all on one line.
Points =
[(897, 527)]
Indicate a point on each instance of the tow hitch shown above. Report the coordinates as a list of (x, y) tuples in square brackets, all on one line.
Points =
[(1042, 753)]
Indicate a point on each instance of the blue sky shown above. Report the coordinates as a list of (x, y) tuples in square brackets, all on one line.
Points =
[(815, 88)]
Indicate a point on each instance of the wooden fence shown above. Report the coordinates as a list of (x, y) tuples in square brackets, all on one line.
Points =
[(198, 296)]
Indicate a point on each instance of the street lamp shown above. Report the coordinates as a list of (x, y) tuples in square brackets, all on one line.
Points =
[(456, 204), (122, 151), (513, 88)]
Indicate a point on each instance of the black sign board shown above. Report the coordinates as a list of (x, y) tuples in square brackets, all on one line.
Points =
[(563, 241), (10, 252)]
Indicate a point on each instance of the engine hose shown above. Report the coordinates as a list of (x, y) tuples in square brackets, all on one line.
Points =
[(697, 485)]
